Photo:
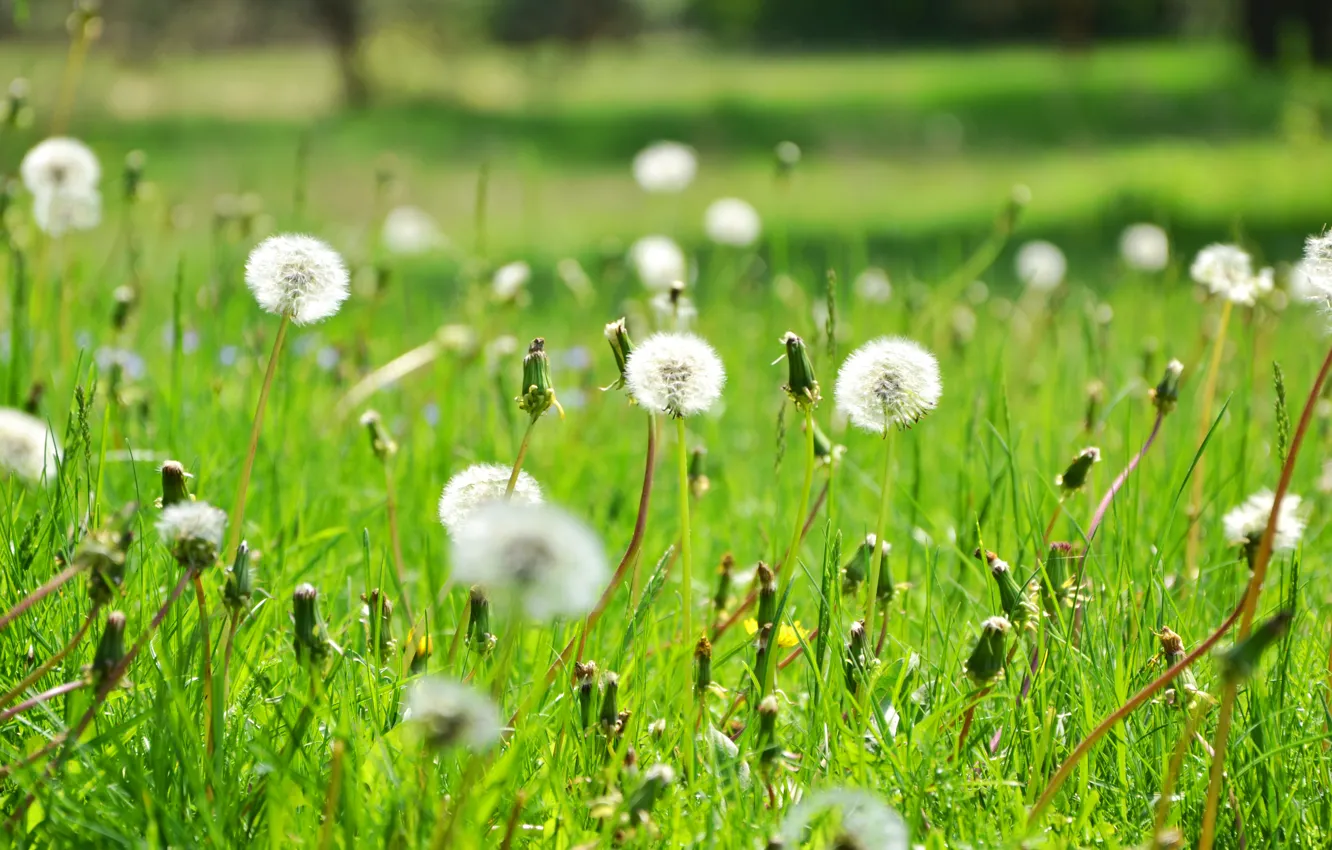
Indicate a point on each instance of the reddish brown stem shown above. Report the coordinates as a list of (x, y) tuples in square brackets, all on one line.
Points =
[(967, 718), (206, 637), (1109, 496), (50, 663), (41, 698), (39, 594), (797, 652)]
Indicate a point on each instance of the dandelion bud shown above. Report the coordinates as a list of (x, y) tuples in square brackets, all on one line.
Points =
[(453, 714), (826, 452), (767, 594), (801, 385), (110, 649), (856, 569), (699, 483), (479, 637), (702, 666), (538, 392), (102, 555), (380, 442), (174, 490), (1240, 662), (986, 663), (763, 647), (133, 176), (585, 680), (610, 710), (309, 639), (239, 586), (768, 746), (378, 621), (1017, 604), (1075, 477), (1166, 393), (425, 647), (656, 780), (193, 531), (124, 298), (857, 656), (1018, 199), (1172, 647), (617, 334), (1095, 398), (1058, 589), (723, 594)]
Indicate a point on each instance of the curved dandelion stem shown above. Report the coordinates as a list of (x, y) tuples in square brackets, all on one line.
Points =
[(242, 490), (1109, 496), (207, 655), (880, 531), (1204, 423), (792, 550), (47, 665), (42, 697), (687, 596), (1173, 769), (522, 455), (39, 594), (395, 539)]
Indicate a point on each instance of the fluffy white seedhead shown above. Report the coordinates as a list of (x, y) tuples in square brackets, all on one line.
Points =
[(1145, 247), (888, 382), (1227, 271), (453, 714), (481, 484), (866, 820), (409, 231), (61, 211), (659, 262), (1041, 265), (192, 522), (510, 279), (1246, 523), (534, 555), (60, 164), (731, 221), (676, 373), (873, 285), (1316, 271), (297, 276), (28, 448), (665, 167)]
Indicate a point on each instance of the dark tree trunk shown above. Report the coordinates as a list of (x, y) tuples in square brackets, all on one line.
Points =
[(1317, 16), (344, 20), (1262, 23)]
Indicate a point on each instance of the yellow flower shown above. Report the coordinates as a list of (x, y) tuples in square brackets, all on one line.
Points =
[(788, 635)]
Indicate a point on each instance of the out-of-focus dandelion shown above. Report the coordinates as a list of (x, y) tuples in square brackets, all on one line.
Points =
[(1244, 525), (867, 823), (1316, 270), (1041, 265), (659, 262), (409, 231), (510, 281), (733, 222), (58, 213), (193, 532), (873, 285), (478, 485), (665, 167), (672, 309), (28, 448), (451, 714), (1144, 247), (60, 164), (1227, 271)]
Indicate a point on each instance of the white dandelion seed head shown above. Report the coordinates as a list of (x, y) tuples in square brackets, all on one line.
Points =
[(677, 373), (873, 285), (659, 261), (409, 231), (453, 714), (732, 221), (60, 211), (192, 522), (1227, 271), (1041, 266), (538, 556), (510, 279), (1247, 522), (665, 167), (480, 484), (28, 448), (60, 164), (1316, 270), (1145, 247), (1302, 286), (888, 382), (866, 819), (297, 276)]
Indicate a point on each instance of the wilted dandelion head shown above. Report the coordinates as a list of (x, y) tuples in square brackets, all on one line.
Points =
[(480, 484), (28, 448), (1145, 247), (1244, 525), (509, 280), (453, 714), (677, 373), (866, 820), (873, 285), (731, 221), (538, 556), (665, 167), (60, 164), (1316, 270), (411, 230), (1227, 271), (658, 261), (193, 531), (1041, 265), (297, 276), (888, 382)]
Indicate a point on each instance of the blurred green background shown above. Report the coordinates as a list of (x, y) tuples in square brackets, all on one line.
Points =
[(1208, 116)]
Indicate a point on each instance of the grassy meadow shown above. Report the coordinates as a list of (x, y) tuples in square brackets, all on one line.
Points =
[(908, 164)]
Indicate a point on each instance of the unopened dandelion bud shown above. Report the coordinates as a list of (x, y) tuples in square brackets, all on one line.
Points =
[(174, 489), (421, 652), (699, 483), (124, 299), (856, 569), (656, 780), (110, 649), (133, 175), (308, 636), (767, 594), (1240, 662), (702, 666), (1095, 398), (826, 452), (1166, 394), (239, 586), (585, 683), (378, 621), (610, 709), (1017, 604), (538, 391), (722, 597), (617, 334), (857, 656), (380, 442), (986, 663), (1059, 575), (1172, 649), (801, 385), (768, 746), (1074, 478), (479, 637)]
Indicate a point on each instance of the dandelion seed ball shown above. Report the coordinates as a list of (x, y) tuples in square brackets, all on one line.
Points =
[(1041, 265), (453, 714), (675, 373), (665, 167), (1316, 270), (193, 531), (658, 261), (28, 448), (480, 484), (409, 231), (60, 164), (1246, 523), (1145, 247), (733, 222), (888, 382), (297, 276), (1227, 271)]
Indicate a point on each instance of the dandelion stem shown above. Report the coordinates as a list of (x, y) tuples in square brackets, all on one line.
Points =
[(1250, 605), (41, 698), (1109, 496), (1054, 517), (334, 791), (687, 594), (395, 538), (1176, 763), (227, 646), (968, 716), (522, 454), (1204, 422), (238, 512), (47, 665), (207, 652), (39, 594), (793, 550), (880, 532)]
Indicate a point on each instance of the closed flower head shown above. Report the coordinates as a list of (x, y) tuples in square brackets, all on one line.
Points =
[(297, 276), (193, 531), (888, 382), (658, 261), (731, 221), (536, 555), (677, 373), (28, 448), (665, 167), (480, 484), (452, 714)]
